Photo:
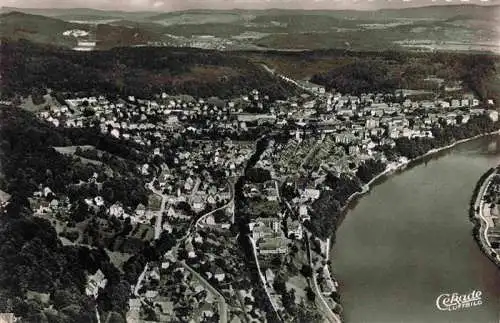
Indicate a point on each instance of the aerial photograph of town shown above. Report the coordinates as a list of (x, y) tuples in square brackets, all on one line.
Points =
[(248, 161)]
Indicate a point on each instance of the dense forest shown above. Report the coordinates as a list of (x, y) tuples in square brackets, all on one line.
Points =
[(139, 71), (145, 71), (29, 159), (358, 77), (327, 209), (32, 258), (358, 72)]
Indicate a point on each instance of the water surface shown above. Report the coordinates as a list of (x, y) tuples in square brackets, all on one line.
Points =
[(410, 239)]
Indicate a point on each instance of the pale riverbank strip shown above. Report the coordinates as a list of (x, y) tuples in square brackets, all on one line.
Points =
[(390, 169), (404, 162), (478, 207)]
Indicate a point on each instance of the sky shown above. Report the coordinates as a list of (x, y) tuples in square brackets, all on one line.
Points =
[(173, 5)]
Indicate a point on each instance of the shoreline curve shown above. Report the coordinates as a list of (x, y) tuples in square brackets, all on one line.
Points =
[(390, 170)]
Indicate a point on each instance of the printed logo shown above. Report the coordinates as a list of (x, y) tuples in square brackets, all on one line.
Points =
[(455, 301)]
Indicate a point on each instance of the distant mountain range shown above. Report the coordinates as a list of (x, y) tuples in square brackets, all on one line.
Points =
[(183, 5), (274, 28), (432, 11)]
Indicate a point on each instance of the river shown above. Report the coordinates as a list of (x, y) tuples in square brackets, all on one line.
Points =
[(410, 240)]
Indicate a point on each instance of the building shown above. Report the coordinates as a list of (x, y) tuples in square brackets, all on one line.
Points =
[(294, 229), (219, 274), (198, 204), (371, 123), (272, 246), (303, 213), (4, 198), (455, 103), (116, 210), (150, 294), (493, 114), (140, 211), (260, 230), (7, 318), (353, 149), (94, 282), (310, 194)]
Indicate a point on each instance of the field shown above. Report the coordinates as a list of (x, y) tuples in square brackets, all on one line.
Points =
[(154, 203), (469, 27), (28, 104)]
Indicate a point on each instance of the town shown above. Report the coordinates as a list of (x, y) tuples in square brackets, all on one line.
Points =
[(245, 193)]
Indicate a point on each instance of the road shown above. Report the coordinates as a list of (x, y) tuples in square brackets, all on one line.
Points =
[(287, 79), (223, 308), (262, 278), (98, 317), (222, 301), (231, 202), (326, 268), (138, 285), (480, 205), (331, 316), (484, 214), (159, 214)]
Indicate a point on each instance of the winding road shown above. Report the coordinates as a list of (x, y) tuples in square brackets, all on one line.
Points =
[(231, 202), (223, 308), (222, 301), (482, 207)]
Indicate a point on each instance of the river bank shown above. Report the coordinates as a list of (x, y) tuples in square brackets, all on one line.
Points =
[(405, 162), (390, 169), (477, 217)]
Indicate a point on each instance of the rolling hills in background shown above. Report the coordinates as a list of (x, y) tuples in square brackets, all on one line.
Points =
[(18, 25), (453, 27), (48, 30)]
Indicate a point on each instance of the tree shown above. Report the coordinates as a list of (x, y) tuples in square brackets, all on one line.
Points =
[(64, 297), (115, 296), (306, 271), (310, 294), (115, 317), (288, 299), (279, 285)]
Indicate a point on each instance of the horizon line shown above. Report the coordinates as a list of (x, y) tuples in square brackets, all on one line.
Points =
[(463, 4)]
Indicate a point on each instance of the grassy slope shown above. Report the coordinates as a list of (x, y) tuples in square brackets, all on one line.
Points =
[(47, 30), (17, 25)]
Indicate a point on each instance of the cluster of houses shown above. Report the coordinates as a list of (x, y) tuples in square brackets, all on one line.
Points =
[(198, 172), (173, 292), (45, 202), (148, 121), (270, 237)]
